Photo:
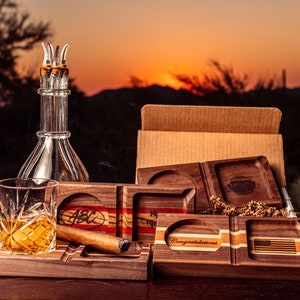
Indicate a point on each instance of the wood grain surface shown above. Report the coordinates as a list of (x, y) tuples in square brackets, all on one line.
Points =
[(192, 288)]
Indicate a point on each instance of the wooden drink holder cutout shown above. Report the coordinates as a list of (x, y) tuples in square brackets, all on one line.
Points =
[(223, 246)]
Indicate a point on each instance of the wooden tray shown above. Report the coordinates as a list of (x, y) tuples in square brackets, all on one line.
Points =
[(81, 266), (91, 206), (235, 181), (238, 181), (147, 203), (268, 241), (192, 239), (126, 210), (187, 175), (222, 246)]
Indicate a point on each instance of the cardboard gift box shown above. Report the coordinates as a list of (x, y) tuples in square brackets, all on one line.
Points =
[(210, 148), (172, 134), (204, 147)]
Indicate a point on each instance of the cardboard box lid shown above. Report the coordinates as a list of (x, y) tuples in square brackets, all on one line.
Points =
[(175, 134), (211, 118)]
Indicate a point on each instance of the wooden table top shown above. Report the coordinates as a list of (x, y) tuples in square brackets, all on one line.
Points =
[(157, 288)]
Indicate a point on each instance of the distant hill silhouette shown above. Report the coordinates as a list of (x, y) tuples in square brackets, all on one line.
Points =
[(141, 96), (293, 91), (109, 121), (104, 127)]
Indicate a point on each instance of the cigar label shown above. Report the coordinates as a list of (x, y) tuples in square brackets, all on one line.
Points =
[(100, 241)]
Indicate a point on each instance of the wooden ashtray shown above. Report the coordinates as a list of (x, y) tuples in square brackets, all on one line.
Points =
[(223, 246), (240, 181), (125, 210), (235, 181)]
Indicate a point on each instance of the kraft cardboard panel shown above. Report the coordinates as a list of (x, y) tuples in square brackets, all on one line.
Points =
[(211, 118)]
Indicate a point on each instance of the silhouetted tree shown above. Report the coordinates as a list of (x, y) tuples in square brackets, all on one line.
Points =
[(226, 80), (136, 82), (193, 84), (17, 33), (222, 80)]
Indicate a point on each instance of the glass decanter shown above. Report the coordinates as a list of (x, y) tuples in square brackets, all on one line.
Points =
[(53, 157)]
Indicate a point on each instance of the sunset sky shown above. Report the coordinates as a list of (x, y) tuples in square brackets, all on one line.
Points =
[(113, 40)]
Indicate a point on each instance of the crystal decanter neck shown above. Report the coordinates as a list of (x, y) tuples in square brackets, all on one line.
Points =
[(54, 113), (53, 157)]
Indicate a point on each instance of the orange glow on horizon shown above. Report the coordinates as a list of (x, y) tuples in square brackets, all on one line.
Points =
[(166, 79), (113, 40)]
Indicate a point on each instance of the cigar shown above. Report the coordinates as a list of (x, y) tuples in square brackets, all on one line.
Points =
[(100, 241)]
